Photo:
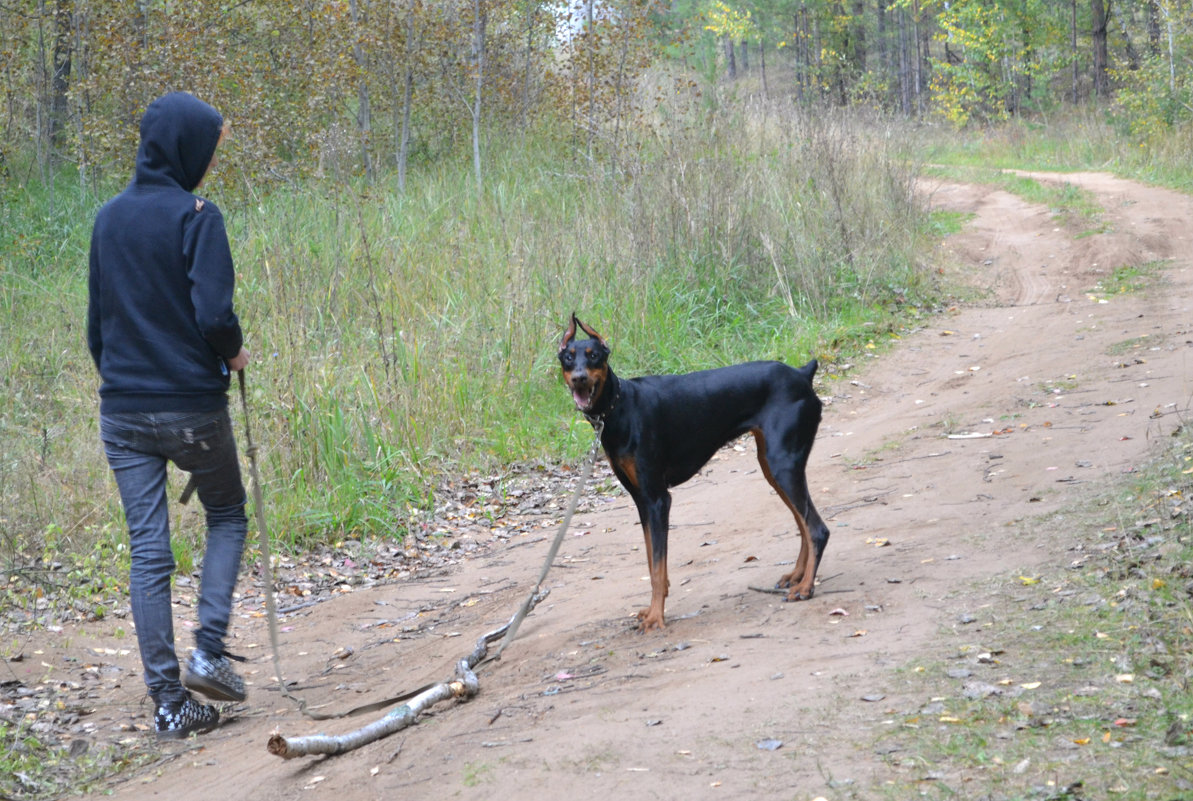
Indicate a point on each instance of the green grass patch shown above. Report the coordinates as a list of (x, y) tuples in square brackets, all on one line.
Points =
[(402, 337), (942, 222), (1070, 206), (1135, 345), (1128, 279), (1076, 139)]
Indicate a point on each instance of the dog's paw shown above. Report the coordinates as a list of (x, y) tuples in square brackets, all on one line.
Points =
[(796, 594), (792, 579), (650, 620)]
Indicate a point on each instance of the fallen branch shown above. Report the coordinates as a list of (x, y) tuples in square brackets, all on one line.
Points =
[(464, 686)]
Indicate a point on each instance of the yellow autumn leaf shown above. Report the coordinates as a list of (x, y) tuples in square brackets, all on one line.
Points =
[(1028, 580), (1031, 685), (1082, 741)]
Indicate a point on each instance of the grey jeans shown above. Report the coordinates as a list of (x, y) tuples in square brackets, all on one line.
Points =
[(138, 446)]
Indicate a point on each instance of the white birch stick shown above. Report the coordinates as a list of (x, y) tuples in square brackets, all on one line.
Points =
[(464, 686)]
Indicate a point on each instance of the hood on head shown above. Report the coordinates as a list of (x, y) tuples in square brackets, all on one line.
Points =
[(179, 134)]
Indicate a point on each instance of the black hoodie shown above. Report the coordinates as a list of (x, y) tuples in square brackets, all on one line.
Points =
[(160, 322)]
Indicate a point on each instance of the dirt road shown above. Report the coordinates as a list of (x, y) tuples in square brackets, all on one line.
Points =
[(930, 460)]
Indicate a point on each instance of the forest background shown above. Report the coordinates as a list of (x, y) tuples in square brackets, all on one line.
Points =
[(420, 193)]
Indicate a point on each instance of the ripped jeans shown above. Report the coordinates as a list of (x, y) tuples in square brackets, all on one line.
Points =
[(138, 446)]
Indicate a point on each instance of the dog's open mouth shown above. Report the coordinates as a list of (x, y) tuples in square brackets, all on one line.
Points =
[(583, 396)]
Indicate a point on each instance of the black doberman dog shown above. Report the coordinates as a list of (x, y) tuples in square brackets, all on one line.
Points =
[(659, 430)]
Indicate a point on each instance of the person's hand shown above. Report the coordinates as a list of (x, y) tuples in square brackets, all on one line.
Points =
[(239, 361)]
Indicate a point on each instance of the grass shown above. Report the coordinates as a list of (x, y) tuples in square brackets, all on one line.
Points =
[(402, 337), (1128, 278), (399, 338), (1077, 685), (1070, 205), (1135, 345), (942, 222), (1087, 138)]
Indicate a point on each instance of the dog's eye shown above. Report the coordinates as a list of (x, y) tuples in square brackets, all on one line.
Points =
[(595, 357), (567, 358)]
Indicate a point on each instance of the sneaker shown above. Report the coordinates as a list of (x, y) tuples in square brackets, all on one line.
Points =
[(177, 720), (212, 675)]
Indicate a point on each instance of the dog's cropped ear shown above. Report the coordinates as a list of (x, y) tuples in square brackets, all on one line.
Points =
[(590, 331), (570, 335)]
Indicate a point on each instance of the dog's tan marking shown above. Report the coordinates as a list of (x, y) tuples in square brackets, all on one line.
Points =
[(799, 580)]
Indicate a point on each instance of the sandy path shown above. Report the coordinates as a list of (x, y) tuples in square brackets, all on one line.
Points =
[(584, 706)]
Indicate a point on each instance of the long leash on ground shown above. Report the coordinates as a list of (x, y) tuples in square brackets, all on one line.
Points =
[(271, 611), (267, 568), (586, 474)]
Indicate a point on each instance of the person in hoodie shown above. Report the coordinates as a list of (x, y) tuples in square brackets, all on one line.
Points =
[(164, 336)]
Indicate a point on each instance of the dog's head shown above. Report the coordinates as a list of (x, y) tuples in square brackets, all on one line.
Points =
[(585, 365)]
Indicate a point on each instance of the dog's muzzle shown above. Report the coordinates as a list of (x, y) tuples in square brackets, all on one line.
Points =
[(583, 392)]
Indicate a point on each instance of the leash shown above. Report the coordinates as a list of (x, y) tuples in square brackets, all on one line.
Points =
[(267, 577), (598, 426), (271, 609), (536, 594)]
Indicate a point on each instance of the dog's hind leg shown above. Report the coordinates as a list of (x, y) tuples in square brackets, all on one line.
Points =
[(790, 482)]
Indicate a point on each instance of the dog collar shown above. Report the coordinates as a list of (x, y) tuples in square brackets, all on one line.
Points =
[(594, 419)]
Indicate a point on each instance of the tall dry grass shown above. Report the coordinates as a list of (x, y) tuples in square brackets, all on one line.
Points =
[(398, 337)]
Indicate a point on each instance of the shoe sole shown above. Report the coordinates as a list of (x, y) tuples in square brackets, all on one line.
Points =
[(182, 734), (211, 689)]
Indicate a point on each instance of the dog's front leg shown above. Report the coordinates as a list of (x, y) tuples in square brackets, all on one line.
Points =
[(654, 527)]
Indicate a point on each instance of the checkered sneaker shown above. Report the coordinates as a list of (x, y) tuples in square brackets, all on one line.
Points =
[(212, 675), (177, 720)]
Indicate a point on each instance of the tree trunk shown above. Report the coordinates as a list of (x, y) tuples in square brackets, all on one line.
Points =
[(904, 63), (1128, 43), (407, 96), (730, 59), (801, 58), (59, 108), (857, 31), (1101, 54), (619, 91), (528, 60), (478, 54), (815, 49), (1171, 51), (1153, 27), (590, 43), (1073, 45), (884, 50), (745, 56), (923, 41), (762, 67), (364, 120)]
